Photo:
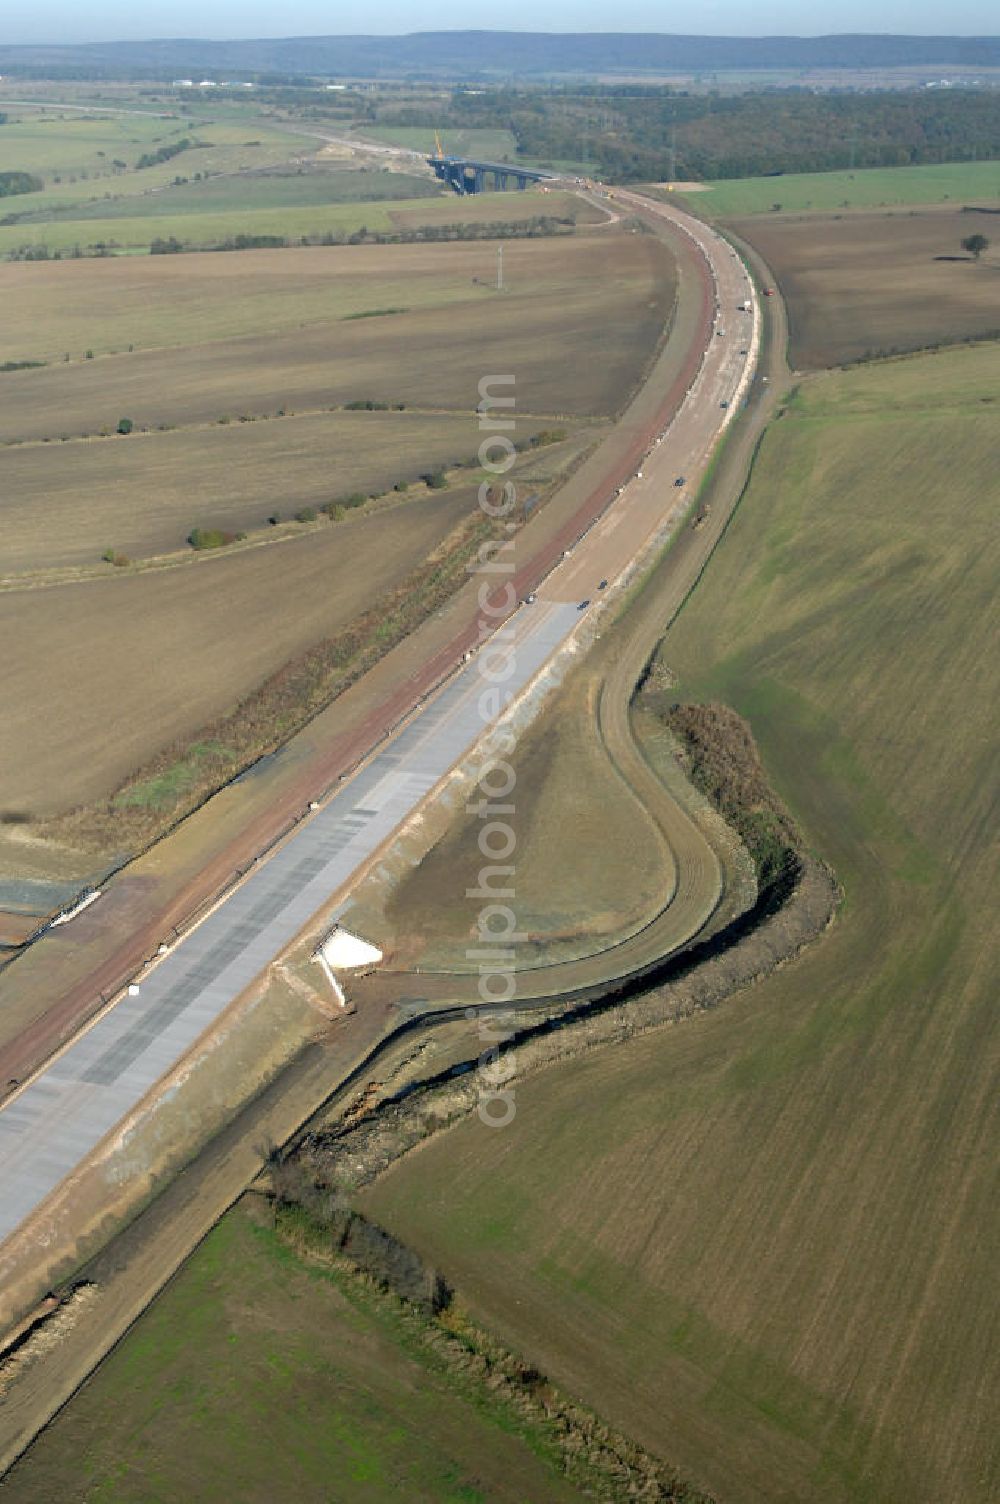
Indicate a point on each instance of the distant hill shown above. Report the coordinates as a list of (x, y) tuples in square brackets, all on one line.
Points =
[(493, 54)]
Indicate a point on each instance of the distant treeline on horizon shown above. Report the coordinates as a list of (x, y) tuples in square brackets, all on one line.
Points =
[(492, 54)]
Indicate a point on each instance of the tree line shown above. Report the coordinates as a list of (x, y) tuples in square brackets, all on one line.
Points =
[(534, 227), (641, 133)]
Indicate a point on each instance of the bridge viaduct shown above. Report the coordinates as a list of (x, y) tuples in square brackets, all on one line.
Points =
[(469, 176)]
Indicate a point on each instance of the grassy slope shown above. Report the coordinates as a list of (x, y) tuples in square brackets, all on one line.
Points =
[(303, 1389), (870, 187), (564, 914), (761, 1240)]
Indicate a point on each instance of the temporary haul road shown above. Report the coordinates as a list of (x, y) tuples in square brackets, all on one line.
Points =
[(59, 1116)]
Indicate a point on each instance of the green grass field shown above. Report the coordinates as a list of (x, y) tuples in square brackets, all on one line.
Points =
[(134, 232), (76, 155), (866, 188), (285, 1382), (251, 189), (49, 141), (760, 1240)]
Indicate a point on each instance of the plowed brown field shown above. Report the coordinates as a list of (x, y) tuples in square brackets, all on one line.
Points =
[(858, 285)]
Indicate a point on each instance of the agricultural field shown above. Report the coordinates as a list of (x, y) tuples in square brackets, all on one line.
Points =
[(307, 1387), (143, 494), (858, 285), (84, 160), (125, 233), (135, 233), (136, 660), (224, 173), (163, 646), (65, 310), (392, 324), (280, 187), (864, 188), (760, 1241)]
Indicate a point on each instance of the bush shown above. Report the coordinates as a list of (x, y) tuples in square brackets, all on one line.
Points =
[(163, 154), (721, 759), (388, 1263), (249, 243), (125, 425), (19, 182), (434, 480), (306, 514), (212, 537), (112, 556)]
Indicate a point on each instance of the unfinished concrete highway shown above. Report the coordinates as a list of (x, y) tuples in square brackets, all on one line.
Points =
[(56, 1118)]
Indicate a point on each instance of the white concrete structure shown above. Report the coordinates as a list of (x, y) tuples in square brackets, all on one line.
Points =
[(346, 952), (341, 951)]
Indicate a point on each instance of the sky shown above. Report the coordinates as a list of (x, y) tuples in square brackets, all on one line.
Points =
[(102, 20)]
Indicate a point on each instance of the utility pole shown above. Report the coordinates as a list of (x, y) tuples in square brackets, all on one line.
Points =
[(673, 153), (499, 268)]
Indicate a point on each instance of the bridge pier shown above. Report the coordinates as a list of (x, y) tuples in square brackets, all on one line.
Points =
[(466, 175)]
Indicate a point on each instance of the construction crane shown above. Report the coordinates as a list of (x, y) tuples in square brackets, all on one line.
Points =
[(438, 148)]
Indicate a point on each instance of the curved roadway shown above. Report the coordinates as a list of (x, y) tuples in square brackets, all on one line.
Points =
[(696, 887), (63, 1112)]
